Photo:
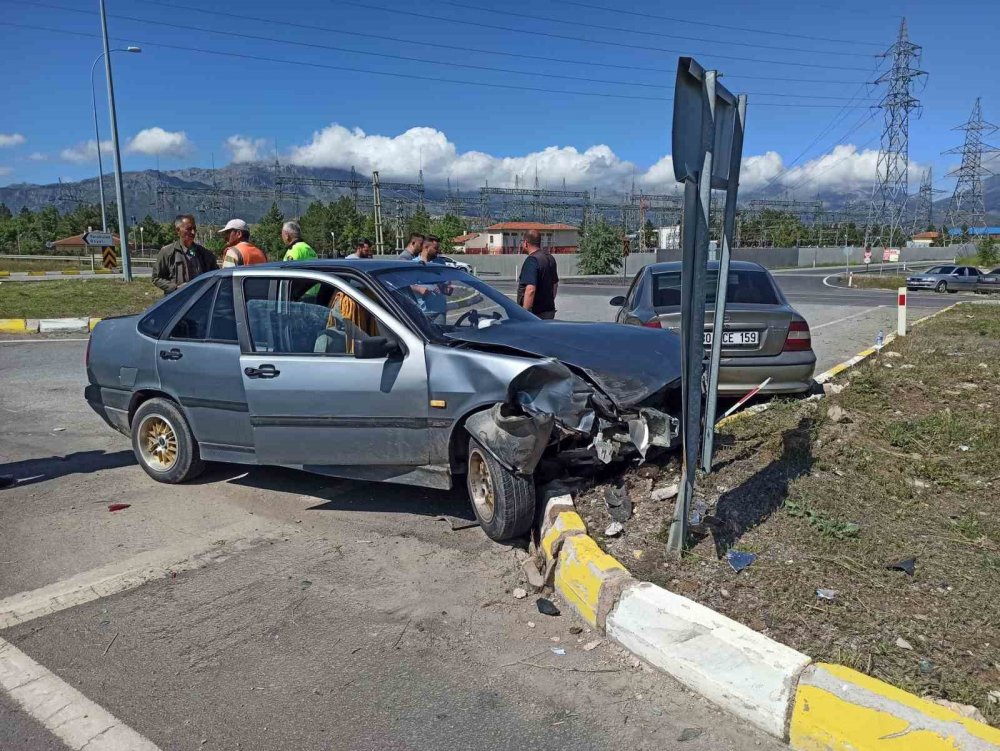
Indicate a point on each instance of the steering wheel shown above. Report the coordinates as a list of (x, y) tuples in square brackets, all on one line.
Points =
[(471, 315)]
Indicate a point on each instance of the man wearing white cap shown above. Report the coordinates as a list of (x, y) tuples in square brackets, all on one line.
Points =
[(239, 250)]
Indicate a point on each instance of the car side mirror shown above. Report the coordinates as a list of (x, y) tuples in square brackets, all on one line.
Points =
[(374, 348), (618, 301)]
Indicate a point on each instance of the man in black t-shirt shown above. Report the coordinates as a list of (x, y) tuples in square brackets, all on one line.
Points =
[(539, 280)]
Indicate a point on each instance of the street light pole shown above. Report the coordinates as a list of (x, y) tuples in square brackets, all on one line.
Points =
[(97, 135), (119, 187)]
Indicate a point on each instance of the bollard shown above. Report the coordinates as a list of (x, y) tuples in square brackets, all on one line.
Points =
[(901, 316), (850, 278)]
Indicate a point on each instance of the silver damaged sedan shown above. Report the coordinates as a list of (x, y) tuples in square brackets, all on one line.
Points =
[(764, 337), (389, 371)]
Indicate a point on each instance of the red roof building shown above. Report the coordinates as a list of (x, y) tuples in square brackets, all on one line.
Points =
[(506, 238)]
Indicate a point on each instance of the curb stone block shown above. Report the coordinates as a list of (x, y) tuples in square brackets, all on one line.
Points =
[(13, 325), (62, 324), (584, 573), (93, 322), (735, 667), (839, 709), (566, 524)]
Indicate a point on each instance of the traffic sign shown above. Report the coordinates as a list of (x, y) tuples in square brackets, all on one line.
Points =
[(868, 255), (98, 239), (110, 259)]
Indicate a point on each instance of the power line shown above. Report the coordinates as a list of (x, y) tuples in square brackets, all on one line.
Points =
[(640, 32), (410, 76), (717, 25), (617, 45)]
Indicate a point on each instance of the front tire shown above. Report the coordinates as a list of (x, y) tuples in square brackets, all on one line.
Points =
[(163, 443), (941, 287), (503, 501)]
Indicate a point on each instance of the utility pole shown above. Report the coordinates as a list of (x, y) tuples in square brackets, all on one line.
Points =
[(967, 208), (119, 188), (889, 193), (377, 201)]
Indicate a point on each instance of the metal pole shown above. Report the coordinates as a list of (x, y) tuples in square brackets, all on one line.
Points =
[(697, 199), (97, 137), (722, 286), (119, 187)]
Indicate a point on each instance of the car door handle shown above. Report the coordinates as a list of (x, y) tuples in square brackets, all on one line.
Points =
[(264, 371), (173, 354)]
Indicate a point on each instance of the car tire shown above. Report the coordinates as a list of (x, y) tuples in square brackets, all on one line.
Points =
[(163, 443), (503, 501), (941, 287)]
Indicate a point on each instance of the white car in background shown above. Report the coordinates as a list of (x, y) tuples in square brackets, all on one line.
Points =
[(460, 265)]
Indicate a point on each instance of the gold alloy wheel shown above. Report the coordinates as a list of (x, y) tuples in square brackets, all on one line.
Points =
[(481, 486), (158, 443)]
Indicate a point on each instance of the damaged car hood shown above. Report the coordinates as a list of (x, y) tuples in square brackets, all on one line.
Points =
[(628, 363)]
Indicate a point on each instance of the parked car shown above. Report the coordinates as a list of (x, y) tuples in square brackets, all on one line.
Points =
[(763, 336), (379, 370), (989, 282), (449, 261), (947, 278)]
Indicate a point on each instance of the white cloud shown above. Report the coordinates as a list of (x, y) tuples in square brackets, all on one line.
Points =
[(85, 152), (38, 156), (11, 139), (4, 171), (245, 149), (159, 142)]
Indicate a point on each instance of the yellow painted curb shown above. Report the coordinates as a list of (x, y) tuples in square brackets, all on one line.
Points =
[(4, 273), (93, 322), (566, 524), (37, 273), (13, 325), (839, 709), (70, 273), (583, 570)]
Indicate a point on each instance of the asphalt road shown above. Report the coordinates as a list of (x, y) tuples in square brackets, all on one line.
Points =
[(302, 612)]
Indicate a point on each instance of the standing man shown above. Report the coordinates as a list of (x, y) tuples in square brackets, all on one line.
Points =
[(413, 247), (362, 249), (432, 299), (183, 260), (539, 280), (291, 236), (239, 250)]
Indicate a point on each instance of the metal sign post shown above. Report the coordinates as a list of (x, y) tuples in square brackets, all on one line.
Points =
[(703, 124), (722, 287)]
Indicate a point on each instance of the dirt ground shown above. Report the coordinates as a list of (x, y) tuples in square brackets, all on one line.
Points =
[(904, 462)]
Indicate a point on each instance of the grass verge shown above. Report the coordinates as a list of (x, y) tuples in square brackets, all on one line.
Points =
[(911, 470), (72, 298), (872, 280)]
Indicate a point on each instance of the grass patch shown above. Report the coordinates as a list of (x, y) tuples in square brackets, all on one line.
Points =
[(11, 264), (914, 472), (872, 280), (72, 298)]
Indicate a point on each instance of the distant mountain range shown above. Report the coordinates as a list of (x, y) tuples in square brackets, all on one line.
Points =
[(248, 190)]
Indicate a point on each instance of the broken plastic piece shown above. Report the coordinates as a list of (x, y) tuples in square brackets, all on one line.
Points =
[(558, 651), (7, 481), (739, 560), (547, 607), (118, 506), (827, 594), (618, 502), (907, 565)]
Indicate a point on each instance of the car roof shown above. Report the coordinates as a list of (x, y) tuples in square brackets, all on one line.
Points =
[(714, 265), (334, 264)]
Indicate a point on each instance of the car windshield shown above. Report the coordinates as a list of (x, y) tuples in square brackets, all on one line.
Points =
[(941, 270), (441, 299), (744, 286), (995, 271)]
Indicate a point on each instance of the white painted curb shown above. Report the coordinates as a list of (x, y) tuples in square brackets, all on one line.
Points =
[(745, 672), (62, 324)]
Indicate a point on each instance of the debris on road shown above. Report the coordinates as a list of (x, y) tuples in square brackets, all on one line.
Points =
[(827, 594), (519, 593), (618, 502), (547, 607), (739, 560), (907, 565), (558, 651), (576, 630), (903, 644), (118, 506), (7, 481), (614, 529), (537, 578), (456, 523)]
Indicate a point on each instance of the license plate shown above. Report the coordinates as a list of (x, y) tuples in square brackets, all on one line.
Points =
[(735, 338)]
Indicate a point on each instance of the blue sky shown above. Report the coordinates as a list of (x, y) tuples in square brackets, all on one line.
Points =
[(186, 106)]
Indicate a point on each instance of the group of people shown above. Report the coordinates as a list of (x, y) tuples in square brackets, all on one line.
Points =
[(183, 260)]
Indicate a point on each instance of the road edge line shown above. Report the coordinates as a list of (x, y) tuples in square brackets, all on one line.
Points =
[(61, 709)]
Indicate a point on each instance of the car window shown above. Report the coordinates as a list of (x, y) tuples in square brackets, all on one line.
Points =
[(941, 270), (743, 286), (194, 323), (157, 319), (304, 317), (972, 271), (223, 326)]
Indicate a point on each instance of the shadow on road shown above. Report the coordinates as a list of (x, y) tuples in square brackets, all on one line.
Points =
[(31, 471)]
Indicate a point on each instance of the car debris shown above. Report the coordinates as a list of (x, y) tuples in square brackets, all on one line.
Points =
[(547, 607), (739, 560), (456, 523), (906, 565), (827, 594), (118, 506), (618, 503), (7, 481), (558, 651)]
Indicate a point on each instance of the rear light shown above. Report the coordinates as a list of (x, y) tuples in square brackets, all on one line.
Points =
[(654, 324), (798, 338)]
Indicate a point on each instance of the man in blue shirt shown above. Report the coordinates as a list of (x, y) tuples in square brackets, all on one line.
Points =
[(432, 299)]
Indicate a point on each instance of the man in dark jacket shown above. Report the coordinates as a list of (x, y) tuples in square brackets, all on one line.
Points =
[(538, 282), (183, 260)]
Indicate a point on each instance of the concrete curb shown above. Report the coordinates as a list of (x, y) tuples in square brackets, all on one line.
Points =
[(46, 325), (812, 707)]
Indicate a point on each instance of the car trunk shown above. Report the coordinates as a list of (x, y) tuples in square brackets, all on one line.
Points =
[(752, 330)]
